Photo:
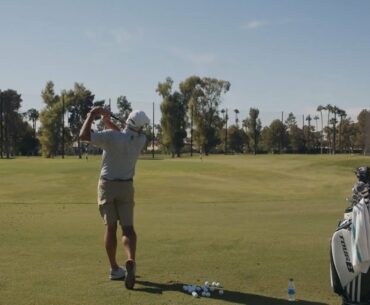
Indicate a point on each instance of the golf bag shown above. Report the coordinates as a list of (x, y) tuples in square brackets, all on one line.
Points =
[(348, 282)]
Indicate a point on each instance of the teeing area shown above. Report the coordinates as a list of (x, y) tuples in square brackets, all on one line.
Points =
[(248, 222)]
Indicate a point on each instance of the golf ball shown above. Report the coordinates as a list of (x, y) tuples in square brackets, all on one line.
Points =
[(218, 284), (221, 292), (206, 283), (213, 283), (194, 294)]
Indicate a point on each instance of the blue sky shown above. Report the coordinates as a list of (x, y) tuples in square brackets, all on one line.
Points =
[(279, 55)]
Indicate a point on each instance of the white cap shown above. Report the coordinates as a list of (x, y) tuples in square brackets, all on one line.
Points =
[(137, 119)]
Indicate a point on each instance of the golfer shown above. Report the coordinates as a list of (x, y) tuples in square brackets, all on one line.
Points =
[(121, 149)]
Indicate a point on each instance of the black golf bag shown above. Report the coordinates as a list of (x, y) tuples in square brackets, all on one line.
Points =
[(352, 285)]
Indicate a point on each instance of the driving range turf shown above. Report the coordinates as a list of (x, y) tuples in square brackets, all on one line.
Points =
[(249, 222)]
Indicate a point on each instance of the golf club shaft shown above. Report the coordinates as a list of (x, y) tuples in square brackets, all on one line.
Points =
[(117, 118)]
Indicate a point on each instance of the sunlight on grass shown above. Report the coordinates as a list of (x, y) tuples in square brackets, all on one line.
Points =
[(250, 222)]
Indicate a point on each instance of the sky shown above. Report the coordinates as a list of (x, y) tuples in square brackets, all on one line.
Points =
[(280, 56)]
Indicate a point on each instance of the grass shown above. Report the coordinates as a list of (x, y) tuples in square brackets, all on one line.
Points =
[(250, 222)]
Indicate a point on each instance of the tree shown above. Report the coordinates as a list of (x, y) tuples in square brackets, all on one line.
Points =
[(342, 114), (79, 103), (348, 135), (237, 139), (320, 108), (225, 119), (363, 126), (11, 121), (124, 109), (334, 121), (173, 118), (296, 140), (51, 122), (253, 127), (291, 121), (1, 125), (236, 116), (308, 133), (275, 137), (329, 108), (316, 118), (204, 97), (33, 115), (28, 143), (159, 135)]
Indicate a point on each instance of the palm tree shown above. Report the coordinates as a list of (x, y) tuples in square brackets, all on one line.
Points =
[(236, 116), (309, 119), (334, 121), (329, 108), (225, 119), (342, 114), (316, 118), (33, 115), (320, 108)]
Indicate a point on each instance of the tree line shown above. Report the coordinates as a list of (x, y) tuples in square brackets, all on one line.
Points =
[(192, 119), (194, 111)]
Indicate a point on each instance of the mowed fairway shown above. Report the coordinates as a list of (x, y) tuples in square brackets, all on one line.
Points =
[(250, 222)]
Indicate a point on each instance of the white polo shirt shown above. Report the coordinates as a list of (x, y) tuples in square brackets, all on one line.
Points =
[(121, 149)]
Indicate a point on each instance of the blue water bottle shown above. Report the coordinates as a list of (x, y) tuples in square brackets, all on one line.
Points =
[(291, 290)]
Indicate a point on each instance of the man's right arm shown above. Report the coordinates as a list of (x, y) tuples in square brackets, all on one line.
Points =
[(85, 132)]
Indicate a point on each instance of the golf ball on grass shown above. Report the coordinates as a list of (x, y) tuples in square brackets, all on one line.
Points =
[(204, 290)]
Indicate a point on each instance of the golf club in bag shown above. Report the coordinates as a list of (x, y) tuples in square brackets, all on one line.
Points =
[(350, 282)]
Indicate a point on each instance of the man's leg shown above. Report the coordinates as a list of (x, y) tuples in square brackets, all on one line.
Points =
[(129, 241), (110, 242)]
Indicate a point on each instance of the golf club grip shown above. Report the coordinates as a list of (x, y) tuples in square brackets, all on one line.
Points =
[(116, 118)]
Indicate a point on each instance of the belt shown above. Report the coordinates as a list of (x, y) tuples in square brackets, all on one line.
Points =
[(121, 180)]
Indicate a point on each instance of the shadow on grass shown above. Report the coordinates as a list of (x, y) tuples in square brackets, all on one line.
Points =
[(235, 297)]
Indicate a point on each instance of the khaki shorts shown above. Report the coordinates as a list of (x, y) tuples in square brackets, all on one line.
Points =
[(116, 202)]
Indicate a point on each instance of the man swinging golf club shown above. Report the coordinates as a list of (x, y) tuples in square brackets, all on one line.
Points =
[(121, 150)]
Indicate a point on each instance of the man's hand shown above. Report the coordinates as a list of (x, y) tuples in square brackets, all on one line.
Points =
[(85, 132), (108, 123), (96, 111)]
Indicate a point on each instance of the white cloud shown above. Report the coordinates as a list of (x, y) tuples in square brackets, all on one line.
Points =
[(196, 58), (255, 24), (121, 38)]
